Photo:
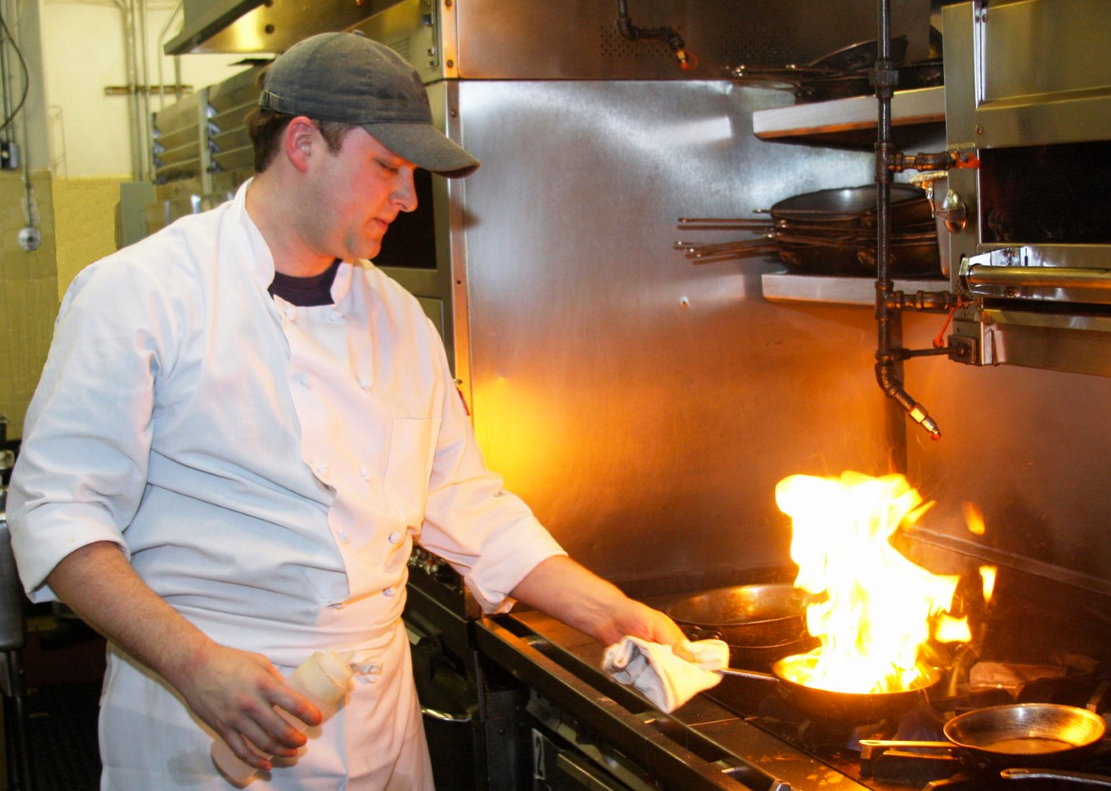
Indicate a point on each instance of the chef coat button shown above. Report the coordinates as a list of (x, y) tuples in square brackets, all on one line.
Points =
[(364, 383), (321, 470), (290, 312), (364, 473), (394, 537), (304, 380), (335, 315), (338, 605), (389, 592), (344, 538)]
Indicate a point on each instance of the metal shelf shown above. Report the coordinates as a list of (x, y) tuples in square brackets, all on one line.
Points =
[(844, 118), (833, 290)]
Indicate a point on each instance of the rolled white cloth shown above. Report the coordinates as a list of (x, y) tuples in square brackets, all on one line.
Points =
[(667, 680)]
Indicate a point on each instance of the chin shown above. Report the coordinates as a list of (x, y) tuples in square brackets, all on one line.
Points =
[(368, 249), (368, 252)]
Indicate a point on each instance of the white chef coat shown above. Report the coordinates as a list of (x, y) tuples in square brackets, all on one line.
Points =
[(266, 467)]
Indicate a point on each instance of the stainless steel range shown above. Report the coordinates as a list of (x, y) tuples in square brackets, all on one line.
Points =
[(551, 719), (645, 407)]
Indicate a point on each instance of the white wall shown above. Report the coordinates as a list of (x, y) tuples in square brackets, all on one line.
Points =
[(83, 53)]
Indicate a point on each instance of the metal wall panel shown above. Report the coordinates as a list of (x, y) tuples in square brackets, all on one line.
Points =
[(570, 39), (536, 39), (1026, 446), (643, 405)]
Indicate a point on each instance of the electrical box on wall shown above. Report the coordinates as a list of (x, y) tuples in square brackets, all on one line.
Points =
[(9, 155)]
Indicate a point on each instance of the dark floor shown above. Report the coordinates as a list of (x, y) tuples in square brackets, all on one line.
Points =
[(63, 687)]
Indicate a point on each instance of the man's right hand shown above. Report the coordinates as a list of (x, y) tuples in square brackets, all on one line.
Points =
[(232, 691), (235, 693)]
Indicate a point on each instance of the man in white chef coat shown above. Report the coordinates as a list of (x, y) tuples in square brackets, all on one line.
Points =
[(242, 429)]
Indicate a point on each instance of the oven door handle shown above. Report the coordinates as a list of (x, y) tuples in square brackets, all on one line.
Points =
[(666, 760), (1038, 277), (582, 775), (443, 716)]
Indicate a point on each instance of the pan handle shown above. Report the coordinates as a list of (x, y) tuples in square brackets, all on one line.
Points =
[(885, 743), (753, 675), (702, 633), (1046, 774)]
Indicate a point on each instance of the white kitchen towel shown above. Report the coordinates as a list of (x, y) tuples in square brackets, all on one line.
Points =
[(667, 680)]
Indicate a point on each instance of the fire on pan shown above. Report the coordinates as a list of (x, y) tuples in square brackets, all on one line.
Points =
[(873, 611)]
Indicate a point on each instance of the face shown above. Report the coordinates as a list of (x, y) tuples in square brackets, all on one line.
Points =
[(353, 196)]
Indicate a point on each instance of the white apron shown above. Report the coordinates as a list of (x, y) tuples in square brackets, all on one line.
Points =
[(151, 742)]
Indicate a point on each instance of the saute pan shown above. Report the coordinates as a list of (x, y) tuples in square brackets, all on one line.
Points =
[(760, 623), (832, 232), (849, 707), (854, 206), (745, 615), (1016, 735)]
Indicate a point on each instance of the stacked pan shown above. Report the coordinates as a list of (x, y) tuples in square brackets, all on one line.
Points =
[(832, 232)]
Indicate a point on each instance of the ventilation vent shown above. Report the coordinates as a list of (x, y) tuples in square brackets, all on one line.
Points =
[(400, 46), (759, 45), (614, 46)]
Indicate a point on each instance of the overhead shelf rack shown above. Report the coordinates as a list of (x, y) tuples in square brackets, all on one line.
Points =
[(849, 121)]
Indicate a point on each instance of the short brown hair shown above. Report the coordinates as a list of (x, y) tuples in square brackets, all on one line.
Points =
[(266, 126)]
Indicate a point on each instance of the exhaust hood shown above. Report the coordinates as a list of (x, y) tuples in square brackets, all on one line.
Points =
[(264, 26)]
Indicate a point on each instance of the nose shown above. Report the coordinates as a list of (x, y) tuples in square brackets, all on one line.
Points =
[(405, 196)]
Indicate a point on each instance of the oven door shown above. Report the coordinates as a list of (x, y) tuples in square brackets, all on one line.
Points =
[(448, 701), (560, 767)]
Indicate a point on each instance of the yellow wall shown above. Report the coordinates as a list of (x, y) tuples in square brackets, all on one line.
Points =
[(28, 295), (78, 225), (86, 224)]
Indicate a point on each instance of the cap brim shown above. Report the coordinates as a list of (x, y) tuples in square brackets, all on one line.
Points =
[(426, 147)]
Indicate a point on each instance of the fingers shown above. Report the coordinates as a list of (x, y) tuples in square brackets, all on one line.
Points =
[(640, 620), (247, 702), (246, 753), (298, 706), (255, 733), (682, 649)]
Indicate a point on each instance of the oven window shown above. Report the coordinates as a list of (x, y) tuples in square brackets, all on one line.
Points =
[(1058, 194), (410, 243)]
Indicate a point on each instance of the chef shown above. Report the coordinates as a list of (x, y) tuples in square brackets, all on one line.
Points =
[(242, 429)]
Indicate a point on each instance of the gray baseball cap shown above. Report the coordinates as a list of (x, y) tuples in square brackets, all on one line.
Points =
[(349, 78)]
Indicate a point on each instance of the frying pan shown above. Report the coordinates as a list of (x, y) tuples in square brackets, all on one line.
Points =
[(843, 72), (745, 615), (819, 87), (862, 56), (1019, 734), (849, 707), (854, 206), (833, 232), (851, 207), (760, 623), (911, 254)]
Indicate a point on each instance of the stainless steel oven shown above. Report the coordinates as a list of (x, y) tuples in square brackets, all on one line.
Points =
[(1028, 92)]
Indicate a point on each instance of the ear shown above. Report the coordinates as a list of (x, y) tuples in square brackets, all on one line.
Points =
[(299, 141)]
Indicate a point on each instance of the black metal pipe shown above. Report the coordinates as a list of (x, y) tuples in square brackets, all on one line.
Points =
[(887, 357), (936, 301), (669, 36)]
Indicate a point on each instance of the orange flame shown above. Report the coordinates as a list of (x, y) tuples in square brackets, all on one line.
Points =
[(974, 518), (987, 574), (879, 607)]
